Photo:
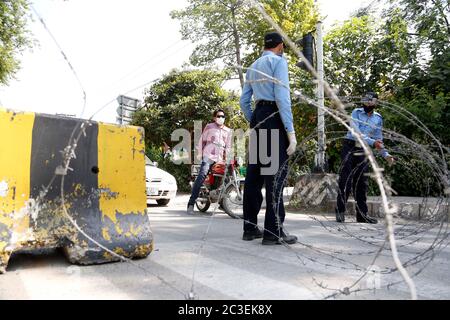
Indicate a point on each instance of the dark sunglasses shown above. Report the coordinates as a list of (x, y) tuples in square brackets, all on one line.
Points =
[(221, 116)]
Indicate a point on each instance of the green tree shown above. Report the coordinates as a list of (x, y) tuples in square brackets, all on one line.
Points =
[(296, 18), (426, 90), (181, 97), (174, 102), (232, 31), (217, 27), (364, 53), (428, 20), (14, 36), (404, 55)]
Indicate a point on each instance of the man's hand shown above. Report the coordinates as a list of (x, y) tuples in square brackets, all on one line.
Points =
[(378, 145), (292, 143), (166, 147), (390, 160)]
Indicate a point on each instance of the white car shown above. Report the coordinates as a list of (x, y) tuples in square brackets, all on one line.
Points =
[(161, 185)]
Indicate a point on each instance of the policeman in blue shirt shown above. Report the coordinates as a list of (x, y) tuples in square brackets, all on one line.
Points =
[(355, 166), (267, 80)]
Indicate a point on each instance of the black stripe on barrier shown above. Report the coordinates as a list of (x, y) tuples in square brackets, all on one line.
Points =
[(50, 137)]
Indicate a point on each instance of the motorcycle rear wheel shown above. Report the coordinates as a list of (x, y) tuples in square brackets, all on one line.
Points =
[(203, 205)]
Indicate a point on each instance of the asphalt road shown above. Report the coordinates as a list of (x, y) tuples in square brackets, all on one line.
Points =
[(205, 255)]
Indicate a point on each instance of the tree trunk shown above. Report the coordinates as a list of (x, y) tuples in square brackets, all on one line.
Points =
[(237, 46)]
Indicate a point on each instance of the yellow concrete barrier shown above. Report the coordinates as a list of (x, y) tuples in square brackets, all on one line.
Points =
[(103, 192)]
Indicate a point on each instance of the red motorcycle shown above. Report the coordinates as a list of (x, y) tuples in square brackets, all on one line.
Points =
[(223, 185)]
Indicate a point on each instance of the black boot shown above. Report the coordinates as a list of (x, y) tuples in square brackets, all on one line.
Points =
[(364, 218), (253, 234), (340, 216), (283, 239), (190, 209)]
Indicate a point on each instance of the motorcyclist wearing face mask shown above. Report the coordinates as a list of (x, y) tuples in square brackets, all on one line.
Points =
[(355, 166), (214, 146)]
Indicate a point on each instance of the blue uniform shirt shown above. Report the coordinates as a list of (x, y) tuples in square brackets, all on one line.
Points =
[(264, 88), (370, 128)]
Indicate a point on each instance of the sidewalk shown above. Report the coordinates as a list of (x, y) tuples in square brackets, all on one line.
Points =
[(206, 254), (415, 208)]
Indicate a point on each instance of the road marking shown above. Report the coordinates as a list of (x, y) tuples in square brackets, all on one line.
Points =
[(56, 283), (212, 273)]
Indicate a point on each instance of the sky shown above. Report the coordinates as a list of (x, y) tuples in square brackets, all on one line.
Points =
[(115, 47)]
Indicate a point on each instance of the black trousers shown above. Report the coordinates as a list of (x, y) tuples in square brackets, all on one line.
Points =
[(353, 177), (266, 126)]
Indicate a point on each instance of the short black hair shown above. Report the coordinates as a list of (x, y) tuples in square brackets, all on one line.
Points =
[(217, 111), (272, 39), (371, 95)]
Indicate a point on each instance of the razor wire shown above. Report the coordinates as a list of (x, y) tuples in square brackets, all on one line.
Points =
[(69, 154), (72, 69), (367, 151)]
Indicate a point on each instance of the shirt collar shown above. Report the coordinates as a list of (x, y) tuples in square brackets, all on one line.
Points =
[(218, 127), (364, 111), (268, 52)]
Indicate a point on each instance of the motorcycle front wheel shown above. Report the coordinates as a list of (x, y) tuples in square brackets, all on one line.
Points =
[(232, 202)]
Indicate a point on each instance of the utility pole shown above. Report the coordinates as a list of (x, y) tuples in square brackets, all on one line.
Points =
[(318, 188), (320, 157)]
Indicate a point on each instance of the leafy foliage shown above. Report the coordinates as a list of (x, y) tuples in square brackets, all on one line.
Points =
[(405, 56), (227, 30), (181, 97), (174, 102), (14, 36)]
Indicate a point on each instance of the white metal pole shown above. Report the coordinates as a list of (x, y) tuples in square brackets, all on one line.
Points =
[(320, 101)]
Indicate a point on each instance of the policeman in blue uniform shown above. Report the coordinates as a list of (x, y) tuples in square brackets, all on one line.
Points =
[(355, 165), (267, 82)]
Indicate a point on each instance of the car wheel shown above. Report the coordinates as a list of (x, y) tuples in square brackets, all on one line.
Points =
[(163, 202)]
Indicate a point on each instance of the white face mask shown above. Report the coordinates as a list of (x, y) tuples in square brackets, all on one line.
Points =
[(220, 121)]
